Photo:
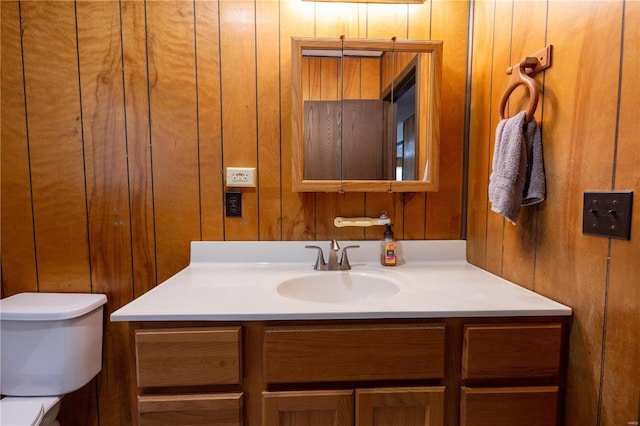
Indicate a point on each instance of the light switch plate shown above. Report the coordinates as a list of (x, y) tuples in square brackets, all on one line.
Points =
[(607, 214)]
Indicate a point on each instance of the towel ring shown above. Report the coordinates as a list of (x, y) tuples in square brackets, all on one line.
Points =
[(518, 77)]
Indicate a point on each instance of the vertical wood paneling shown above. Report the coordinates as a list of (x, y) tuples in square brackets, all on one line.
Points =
[(269, 135), (138, 126), (621, 387), (209, 123), (18, 251), (336, 19), (237, 46), (56, 147), (580, 118), (104, 135), (529, 22), (443, 216), (479, 132), (298, 209), (501, 60), (171, 56)]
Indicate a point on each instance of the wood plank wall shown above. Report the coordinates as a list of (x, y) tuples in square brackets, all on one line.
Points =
[(590, 134), (119, 117)]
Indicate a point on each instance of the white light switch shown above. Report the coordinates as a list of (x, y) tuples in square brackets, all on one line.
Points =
[(241, 176)]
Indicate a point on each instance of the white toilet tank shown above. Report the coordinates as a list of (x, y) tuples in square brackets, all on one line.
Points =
[(50, 343)]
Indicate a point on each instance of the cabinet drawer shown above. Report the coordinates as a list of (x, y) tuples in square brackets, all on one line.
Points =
[(511, 351), (195, 409), (521, 406), (188, 356), (352, 353)]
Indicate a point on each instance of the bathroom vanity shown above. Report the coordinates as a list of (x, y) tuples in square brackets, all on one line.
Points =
[(226, 341)]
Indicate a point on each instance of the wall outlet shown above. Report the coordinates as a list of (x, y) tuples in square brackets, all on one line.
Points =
[(608, 214), (241, 176), (233, 203)]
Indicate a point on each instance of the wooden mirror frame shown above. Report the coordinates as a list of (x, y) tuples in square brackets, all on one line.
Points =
[(427, 112)]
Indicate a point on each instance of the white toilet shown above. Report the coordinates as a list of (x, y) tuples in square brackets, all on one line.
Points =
[(50, 345)]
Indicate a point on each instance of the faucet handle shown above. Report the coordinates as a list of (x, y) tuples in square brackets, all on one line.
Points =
[(320, 259), (344, 260)]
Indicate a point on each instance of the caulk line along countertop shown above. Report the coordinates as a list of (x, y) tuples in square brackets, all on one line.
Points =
[(235, 281)]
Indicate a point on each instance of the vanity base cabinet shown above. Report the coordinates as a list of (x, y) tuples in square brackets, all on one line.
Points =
[(364, 372), (509, 406), (203, 409)]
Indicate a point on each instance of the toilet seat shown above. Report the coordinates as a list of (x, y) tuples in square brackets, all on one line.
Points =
[(25, 411)]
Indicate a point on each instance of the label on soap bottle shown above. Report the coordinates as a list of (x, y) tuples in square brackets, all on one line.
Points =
[(389, 253)]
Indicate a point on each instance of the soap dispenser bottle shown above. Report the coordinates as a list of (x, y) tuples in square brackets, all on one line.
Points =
[(388, 257)]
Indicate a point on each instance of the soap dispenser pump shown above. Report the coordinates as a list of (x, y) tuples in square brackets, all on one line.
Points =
[(388, 257)]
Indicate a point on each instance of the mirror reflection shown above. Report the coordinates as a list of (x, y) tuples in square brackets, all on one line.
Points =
[(365, 114)]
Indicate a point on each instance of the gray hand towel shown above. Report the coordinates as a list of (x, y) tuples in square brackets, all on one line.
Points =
[(518, 177)]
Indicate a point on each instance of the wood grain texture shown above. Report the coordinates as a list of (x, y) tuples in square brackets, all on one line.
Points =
[(210, 142), (509, 406), (18, 250), (501, 59), (509, 352), (173, 107), (373, 353), (56, 146), (571, 267), (443, 215), (479, 134), (621, 384), (104, 135), (529, 19), (198, 409), (138, 124), (269, 132), (188, 357), (421, 406), (307, 408), (298, 209), (239, 103)]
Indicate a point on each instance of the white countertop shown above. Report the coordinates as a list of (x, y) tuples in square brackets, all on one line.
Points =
[(234, 281)]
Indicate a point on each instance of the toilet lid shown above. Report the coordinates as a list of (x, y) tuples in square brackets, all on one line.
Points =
[(25, 411)]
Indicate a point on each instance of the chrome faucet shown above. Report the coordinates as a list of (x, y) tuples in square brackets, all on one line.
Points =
[(333, 264)]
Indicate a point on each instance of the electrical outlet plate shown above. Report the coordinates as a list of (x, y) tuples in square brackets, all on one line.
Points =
[(608, 214), (241, 177), (233, 203)]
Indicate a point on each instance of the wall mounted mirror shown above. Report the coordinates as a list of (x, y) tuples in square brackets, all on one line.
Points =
[(365, 114)]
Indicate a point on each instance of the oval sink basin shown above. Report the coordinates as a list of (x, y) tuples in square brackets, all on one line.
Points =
[(338, 287)]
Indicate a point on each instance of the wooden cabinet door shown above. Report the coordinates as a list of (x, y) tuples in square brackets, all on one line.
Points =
[(517, 406), (419, 406), (192, 409), (307, 408)]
